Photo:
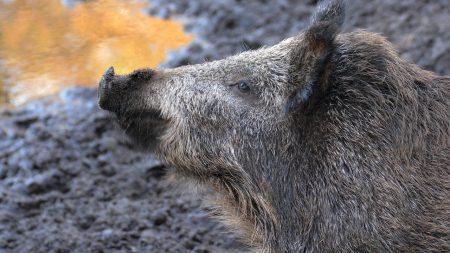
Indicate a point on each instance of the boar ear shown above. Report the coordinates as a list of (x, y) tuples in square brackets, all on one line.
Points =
[(326, 23), (315, 50)]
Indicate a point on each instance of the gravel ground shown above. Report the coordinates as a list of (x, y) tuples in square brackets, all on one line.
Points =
[(70, 182)]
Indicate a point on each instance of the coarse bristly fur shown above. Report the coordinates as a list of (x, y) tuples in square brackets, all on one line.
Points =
[(325, 142)]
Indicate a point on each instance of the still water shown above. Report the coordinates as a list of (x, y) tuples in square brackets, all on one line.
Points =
[(46, 45)]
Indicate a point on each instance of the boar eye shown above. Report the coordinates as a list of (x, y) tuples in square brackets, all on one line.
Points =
[(241, 87)]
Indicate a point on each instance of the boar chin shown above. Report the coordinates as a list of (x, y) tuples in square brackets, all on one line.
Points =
[(144, 128)]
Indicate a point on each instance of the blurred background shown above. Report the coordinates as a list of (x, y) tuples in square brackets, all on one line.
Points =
[(46, 45), (69, 180)]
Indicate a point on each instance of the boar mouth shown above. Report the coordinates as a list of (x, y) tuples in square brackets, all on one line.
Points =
[(151, 114), (143, 127)]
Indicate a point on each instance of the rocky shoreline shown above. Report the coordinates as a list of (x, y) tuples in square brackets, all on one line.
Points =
[(71, 182)]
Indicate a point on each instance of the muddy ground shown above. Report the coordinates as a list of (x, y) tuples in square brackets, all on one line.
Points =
[(69, 180)]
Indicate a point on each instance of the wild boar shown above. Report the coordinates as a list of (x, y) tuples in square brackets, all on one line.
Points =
[(325, 142)]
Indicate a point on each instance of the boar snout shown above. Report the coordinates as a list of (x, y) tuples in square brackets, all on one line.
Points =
[(105, 90), (107, 77), (128, 97), (115, 90)]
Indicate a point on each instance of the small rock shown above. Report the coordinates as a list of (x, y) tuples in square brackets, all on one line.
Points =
[(48, 181), (107, 233), (26, 120), (86, 221), (159, 218)]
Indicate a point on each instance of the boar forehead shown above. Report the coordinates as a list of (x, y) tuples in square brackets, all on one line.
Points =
[(266, 70)]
